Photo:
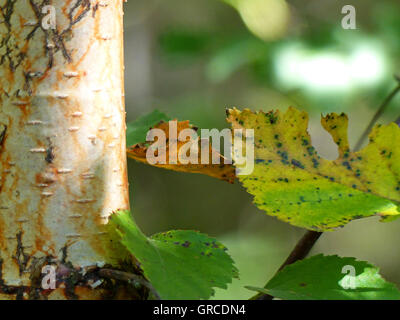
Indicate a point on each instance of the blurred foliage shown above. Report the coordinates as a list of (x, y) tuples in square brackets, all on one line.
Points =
[(228, 53), (225, 54), (267, 19)]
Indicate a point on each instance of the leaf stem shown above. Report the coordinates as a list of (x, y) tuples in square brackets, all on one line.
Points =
[(301, 250), (378, 114)]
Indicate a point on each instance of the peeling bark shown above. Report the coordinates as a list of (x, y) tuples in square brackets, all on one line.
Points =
[(62, 144)]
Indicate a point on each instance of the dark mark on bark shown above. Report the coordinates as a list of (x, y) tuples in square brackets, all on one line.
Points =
[(21, 257), (55, 35), (111, 281), (64, 251), (49, 155), (95, 7), (13, 60), (11, 290), (3, 131), (2, 284), (50, 152), (36, 276)]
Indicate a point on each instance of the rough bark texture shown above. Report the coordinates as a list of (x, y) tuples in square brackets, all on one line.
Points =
[(62, 144)]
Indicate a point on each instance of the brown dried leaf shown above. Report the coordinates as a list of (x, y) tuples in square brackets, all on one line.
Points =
[(221, 171)]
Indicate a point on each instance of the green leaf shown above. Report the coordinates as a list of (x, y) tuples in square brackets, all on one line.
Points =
[(136, 131), (292, 182), (179, 264), (321, 278)]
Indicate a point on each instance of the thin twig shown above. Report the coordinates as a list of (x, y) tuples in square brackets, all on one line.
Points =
[(301, 251), (302, 248), (378, 114), (128, 277)]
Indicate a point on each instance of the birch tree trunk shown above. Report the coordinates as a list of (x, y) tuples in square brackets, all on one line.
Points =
[(62, 144)]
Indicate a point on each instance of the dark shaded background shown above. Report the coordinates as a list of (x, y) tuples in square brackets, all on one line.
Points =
[(193, 58)]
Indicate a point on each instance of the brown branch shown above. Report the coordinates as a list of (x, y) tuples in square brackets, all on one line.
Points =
[(378, 114), (128, 277), (302, 248), (301, 251)]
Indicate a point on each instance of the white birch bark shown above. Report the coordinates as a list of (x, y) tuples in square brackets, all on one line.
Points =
[(62, 141)]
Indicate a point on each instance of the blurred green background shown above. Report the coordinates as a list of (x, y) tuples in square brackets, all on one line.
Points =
[(193, 58)]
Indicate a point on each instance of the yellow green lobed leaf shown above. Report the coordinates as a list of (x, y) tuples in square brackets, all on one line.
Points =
[(292, 182)]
